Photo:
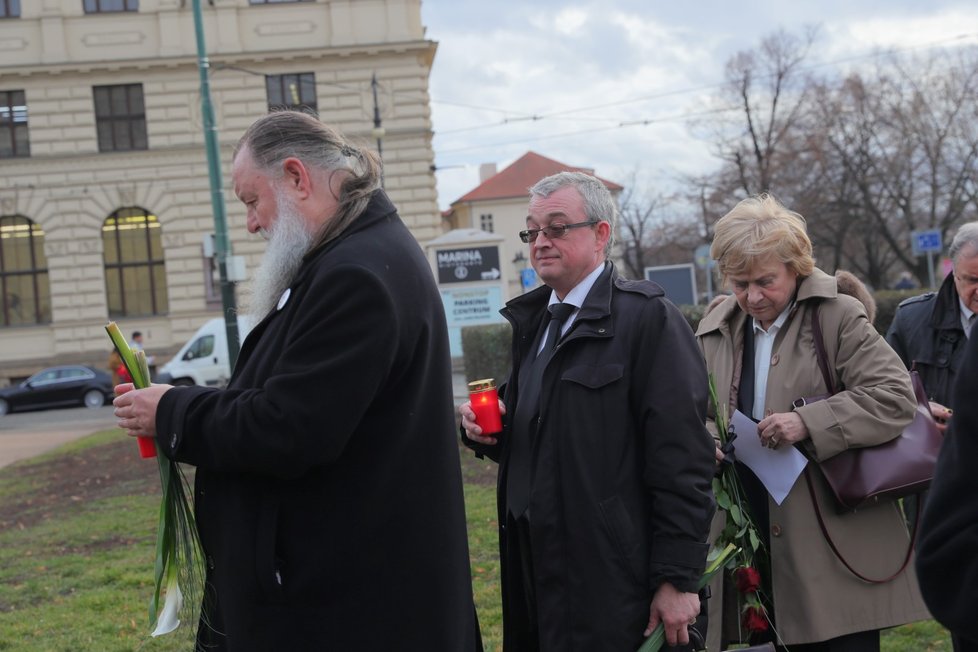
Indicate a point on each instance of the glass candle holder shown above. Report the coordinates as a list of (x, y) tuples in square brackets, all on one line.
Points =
[(485, 404)]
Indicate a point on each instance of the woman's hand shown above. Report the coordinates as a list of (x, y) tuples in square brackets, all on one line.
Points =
[(781, 428)]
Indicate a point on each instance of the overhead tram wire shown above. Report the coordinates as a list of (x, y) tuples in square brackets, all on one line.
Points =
[(695, 89), (620, 125)]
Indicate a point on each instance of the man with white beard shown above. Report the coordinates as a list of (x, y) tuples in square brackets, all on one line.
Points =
[(328, 491), (288, 241)]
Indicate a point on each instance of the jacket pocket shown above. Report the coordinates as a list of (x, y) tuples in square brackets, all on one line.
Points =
[(594, 377), (620, 527)]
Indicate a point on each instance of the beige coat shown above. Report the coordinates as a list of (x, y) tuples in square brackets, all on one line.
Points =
[(815, 597)]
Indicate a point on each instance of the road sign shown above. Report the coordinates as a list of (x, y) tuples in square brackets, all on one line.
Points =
[(702, 257), (923, 242), (528, 277), (469, 264), (678, 281)]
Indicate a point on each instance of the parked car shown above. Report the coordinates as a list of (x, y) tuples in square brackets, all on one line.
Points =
[(58, 387)]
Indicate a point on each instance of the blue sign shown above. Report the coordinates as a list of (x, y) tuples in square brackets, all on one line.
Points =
[(528, 277), (923, 242), (678, 281)]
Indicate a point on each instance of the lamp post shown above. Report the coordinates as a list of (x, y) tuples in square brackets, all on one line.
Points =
[(519, 262), (222, 243), (378, 131)]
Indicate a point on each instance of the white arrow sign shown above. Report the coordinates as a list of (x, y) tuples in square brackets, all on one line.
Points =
[(492, 274)]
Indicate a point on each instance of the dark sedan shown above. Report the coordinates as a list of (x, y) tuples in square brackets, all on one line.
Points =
[(69, 385)]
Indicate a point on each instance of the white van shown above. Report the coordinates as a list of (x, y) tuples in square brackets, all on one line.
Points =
[(203, 360)]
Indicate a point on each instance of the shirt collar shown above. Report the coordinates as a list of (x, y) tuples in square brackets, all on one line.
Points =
[(967, 312), (778, 323), (577, 295)]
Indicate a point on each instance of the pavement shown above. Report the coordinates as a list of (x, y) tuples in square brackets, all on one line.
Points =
[(27, 434)]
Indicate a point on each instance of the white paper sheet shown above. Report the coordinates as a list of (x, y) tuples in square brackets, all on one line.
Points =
[(777, 468)]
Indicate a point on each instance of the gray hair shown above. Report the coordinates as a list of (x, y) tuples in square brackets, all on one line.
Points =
[(967, 235), (599, 205), (293, 134)]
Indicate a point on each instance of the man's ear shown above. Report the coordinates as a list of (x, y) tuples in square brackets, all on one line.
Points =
[(296, 176), (603, 229)]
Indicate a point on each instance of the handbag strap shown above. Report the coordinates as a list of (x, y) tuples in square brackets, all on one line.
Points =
[(835, 549), (820, 355), (823, 365)]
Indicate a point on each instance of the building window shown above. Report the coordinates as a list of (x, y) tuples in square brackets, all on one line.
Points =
[(120, 118), (9, 8), (106, 6), (13, 124), (485, 222), (23, 273), (135, 275), (297, 91)]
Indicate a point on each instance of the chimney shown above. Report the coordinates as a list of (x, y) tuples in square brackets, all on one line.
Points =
[(486, 170)]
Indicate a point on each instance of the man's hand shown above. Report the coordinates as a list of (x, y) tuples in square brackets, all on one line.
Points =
[(941, 415), (472, 429), (676, 611), (135, 409)]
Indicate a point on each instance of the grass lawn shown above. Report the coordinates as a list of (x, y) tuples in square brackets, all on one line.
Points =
[(77, 537)]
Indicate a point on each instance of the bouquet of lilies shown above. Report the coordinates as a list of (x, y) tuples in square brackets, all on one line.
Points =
[(179, 561)]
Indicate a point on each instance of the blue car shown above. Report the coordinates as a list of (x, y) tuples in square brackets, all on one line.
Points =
[(64, 386)]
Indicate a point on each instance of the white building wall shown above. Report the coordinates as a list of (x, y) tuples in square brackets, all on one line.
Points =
[(56, 54)]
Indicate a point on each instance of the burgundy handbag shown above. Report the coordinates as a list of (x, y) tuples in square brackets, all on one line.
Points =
[(862, 477)]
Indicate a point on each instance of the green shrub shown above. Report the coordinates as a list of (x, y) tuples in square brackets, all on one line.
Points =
[(487, 351), (693, 314), (886, 306)]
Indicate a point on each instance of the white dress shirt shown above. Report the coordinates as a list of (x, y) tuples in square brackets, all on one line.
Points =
[(763, 346)]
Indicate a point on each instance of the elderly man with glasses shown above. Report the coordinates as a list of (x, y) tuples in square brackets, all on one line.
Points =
[(604, 491), (930, 333)]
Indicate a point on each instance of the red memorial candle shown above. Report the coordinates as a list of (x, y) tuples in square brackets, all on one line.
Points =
[(485, 404), (147, 447)]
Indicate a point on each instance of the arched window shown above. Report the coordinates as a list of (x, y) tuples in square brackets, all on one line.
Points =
[(23, 273), (135, 276)]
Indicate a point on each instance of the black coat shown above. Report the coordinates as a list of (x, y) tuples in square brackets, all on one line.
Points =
[(926, 333), (621, 496), (328, 487), (947, 547)]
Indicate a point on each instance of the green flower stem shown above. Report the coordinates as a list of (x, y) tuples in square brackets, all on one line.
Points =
[(178, 558)]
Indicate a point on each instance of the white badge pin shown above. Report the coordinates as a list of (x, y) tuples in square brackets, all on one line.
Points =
[(284, 299)]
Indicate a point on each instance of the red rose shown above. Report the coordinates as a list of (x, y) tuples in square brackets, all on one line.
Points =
[(748, 579), (754, 620)]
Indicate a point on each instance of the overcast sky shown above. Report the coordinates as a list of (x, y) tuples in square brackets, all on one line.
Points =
[(561, 78)]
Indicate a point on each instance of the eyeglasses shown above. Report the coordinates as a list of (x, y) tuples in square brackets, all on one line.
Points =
[(553, 232)]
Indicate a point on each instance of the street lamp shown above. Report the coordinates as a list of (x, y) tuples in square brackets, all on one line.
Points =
[(519, 262)]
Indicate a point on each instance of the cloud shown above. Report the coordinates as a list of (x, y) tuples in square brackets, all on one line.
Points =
[(526, 71)]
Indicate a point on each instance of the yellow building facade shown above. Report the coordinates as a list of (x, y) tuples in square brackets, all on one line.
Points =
[(105, 203)]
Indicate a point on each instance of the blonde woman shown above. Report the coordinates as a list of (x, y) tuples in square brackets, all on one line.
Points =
[(758, 346)]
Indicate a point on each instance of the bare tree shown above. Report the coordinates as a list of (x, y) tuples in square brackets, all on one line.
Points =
[(866, 159)]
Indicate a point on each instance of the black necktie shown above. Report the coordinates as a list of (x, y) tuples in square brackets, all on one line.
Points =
[(527, 408)]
